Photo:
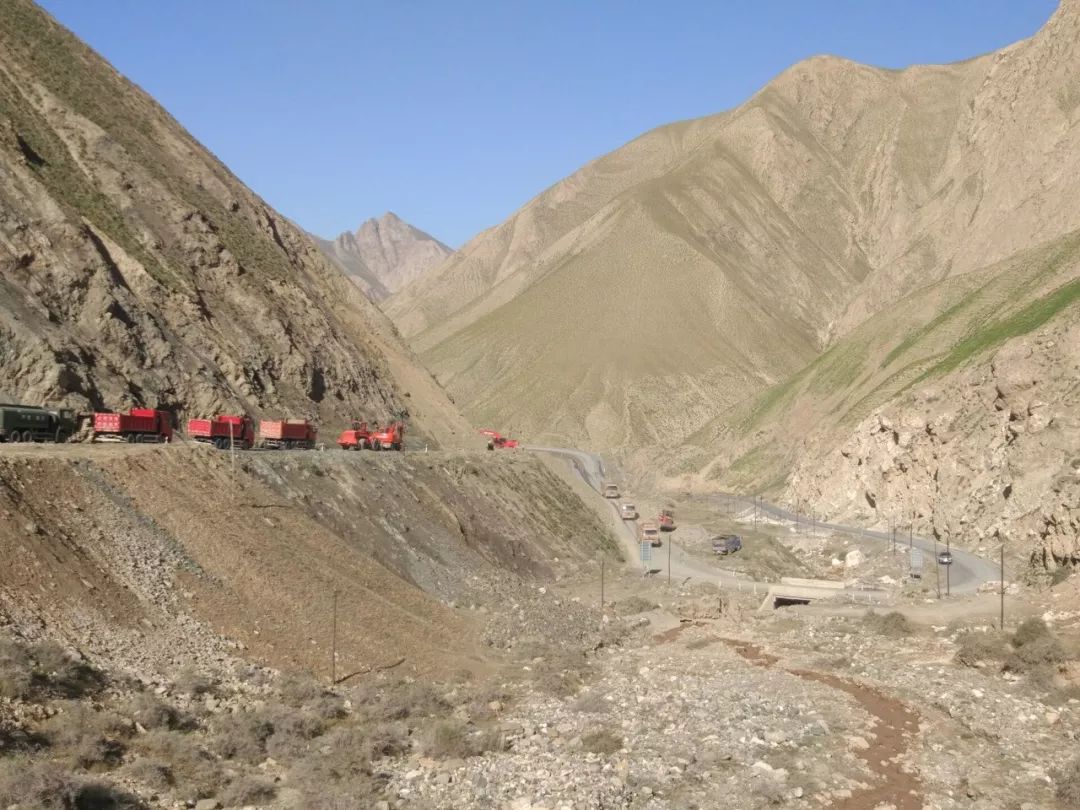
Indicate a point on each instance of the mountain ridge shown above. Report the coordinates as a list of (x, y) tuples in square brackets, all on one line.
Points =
[(833, 192), (385, 254)]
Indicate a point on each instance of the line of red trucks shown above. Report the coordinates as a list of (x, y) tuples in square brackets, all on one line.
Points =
[(148, 425)]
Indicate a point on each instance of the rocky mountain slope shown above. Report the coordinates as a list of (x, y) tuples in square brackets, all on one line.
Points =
[(662, 285), (136, 269), (385, 254)]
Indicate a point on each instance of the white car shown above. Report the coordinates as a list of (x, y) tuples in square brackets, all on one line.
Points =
[(628, 511)]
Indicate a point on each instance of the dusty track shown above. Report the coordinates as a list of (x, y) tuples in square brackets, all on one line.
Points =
[(896, 724)]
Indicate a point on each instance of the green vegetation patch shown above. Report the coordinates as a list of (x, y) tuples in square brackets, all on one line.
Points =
[(993, 334)]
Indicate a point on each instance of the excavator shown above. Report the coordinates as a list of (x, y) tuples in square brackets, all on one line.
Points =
[(497, 440)]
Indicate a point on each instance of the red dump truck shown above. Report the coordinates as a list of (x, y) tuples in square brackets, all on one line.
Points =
[(389, 437), (287, 434), (137, 425), (223, 431)]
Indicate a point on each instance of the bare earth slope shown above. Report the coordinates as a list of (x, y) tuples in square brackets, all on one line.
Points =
[(135, 268), (385, 254), (664, 283)]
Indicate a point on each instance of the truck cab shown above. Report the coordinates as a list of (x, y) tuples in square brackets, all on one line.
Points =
[(650, 533), (627, 511), (611, 490)]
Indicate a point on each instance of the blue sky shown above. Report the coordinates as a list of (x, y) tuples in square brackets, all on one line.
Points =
[(453, 114)]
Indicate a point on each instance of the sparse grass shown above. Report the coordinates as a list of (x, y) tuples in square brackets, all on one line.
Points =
[(892, 624), (151, 712), (561, 675), (633, 605), (975, 648), (993, 334), (453, 739), (602, 741), (400, 700), (248, 790), (1067, 784), (591, 703), (191, 681)]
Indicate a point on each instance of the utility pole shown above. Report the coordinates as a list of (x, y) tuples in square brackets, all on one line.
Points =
[(755, 513), (937, 567), (333, 643), (1001, 625), (669, 562), (948, 550), (602, 563)]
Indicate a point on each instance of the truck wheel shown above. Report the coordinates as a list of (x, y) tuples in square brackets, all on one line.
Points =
[(397, 446), (14, 437), (59, 437), (131, 438)]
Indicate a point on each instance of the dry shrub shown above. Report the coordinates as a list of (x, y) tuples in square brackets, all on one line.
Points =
[(892, 624), (50, 786), (245, 790), (975, 648), (151, 712), (45, 669), (1034, 648), (243, 736), (293, 732), (190, 681), (633, 605), (340, 774), (448, 739), (195, 771), (453, 739), (561, 674), (602, 741), (401, 700), (304, 692), (1067, 781), (87, 738), (155, 775)]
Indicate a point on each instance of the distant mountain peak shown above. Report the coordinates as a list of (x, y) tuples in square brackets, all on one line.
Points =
[(385, 253)]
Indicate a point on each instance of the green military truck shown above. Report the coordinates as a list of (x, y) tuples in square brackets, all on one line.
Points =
[(26, 423)]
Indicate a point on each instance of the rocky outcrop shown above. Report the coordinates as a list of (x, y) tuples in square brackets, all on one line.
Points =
[(988, 454), (385, 254)]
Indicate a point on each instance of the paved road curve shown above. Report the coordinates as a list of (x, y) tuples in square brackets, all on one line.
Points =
[(969, 571)]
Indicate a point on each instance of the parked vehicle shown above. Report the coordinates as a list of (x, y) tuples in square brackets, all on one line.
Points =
[(358, 437), (223, 431), (944, 558), (137, 425), (611, 490), (627, 511), (666, 520), (390, 437), (726, 544), (28, 423), (650, 533), (287, 434), (497, 440)]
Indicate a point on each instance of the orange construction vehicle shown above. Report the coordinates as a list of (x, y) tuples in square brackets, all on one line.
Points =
[(358, 437), (497, 440), (390, 437)]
